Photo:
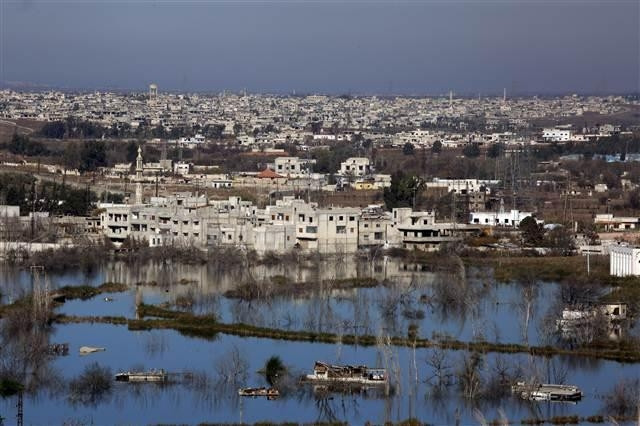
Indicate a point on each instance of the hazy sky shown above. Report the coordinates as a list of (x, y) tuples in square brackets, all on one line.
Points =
[(410, 47)]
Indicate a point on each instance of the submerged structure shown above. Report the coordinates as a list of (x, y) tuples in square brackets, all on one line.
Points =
[(547, 392), (347, 374), (270, 393), (143, 376)]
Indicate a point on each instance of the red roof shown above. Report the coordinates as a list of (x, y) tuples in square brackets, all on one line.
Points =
[(268, 174)]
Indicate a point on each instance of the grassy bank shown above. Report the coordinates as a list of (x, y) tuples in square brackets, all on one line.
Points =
[(280, 285), (85, 292)]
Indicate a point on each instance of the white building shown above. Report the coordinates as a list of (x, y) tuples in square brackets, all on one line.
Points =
[(416, 137), (624, 261), (292, 166), (219, 183), (611, 223), (510, 218), (9, 211), (327, 231), (355, 166), (463, 186), (192, 141), (182, 168), (420, 231), (372, 226), (552, 134)]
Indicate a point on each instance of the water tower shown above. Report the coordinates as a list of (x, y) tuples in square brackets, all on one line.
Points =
[(153, 91)]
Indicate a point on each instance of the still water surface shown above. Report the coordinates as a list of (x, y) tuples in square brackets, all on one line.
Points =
[(495, 312)]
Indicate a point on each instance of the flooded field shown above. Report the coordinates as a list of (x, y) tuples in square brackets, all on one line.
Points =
[(386, 298)]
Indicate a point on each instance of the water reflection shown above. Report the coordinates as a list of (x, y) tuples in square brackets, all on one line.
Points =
[(464, 304), (205, 395)]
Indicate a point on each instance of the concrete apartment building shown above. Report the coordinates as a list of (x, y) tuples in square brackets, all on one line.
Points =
[(554, 134), (463, 186), (292, 166), (372, 227), (355, 166), (511, 218), (290, 223), (333, 230), (420, 231)]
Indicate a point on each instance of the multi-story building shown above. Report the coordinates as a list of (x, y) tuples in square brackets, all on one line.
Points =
[(372, 226), (420, 231), (292, 166), (290, 223), (553, 134), (355, 166), (463, 186)]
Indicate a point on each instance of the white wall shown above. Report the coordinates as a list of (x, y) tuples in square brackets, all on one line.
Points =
[(624, 261)]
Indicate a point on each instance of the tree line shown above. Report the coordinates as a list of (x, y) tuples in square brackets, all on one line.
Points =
[(57, 198)]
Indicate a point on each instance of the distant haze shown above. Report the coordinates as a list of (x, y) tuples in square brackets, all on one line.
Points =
[(384, 47)]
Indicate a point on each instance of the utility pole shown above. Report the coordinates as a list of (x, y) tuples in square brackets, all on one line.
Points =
[(33, 208), (20, 406)]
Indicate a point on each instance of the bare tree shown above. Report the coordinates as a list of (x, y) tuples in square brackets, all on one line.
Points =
[(469, 375), (441, 375), (624, 399), (232, 367)]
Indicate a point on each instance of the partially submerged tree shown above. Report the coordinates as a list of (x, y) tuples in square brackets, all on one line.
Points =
[(274, 369), (232, 367), (93, 384), (624, 399)]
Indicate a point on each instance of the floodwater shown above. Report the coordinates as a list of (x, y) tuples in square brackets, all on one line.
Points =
[(506, 313)]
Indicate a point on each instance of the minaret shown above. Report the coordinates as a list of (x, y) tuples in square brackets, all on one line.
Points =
[(139, 177)]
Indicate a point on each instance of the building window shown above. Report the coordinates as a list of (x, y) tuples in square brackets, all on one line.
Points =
[(377, 235), (341, 218), (351, 218), (341, 229)]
